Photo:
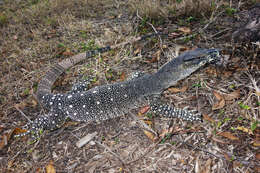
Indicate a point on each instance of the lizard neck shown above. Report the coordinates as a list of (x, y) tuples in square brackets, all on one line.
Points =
[(146, 85)]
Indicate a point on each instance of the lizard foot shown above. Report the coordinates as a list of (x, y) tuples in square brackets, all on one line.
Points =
[(171, 112)]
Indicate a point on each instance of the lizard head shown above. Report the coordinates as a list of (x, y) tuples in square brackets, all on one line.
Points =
[(199, 57), (185, 64)]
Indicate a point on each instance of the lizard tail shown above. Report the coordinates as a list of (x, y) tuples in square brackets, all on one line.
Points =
[(45, 85)]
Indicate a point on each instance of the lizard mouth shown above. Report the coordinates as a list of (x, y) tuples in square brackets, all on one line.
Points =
[(205, 56)]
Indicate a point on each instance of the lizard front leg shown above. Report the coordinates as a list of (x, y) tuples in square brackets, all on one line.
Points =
[(171, 112), (135, 75), (80, 86)]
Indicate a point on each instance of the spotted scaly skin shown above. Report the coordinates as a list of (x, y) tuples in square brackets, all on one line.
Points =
[(113, 100)]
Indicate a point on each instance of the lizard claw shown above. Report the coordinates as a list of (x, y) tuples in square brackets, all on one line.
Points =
[(31, 130)]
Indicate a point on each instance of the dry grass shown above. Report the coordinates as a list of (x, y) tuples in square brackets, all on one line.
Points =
[(164, 8)]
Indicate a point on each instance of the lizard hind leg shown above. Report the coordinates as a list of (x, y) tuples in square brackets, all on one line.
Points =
[(50, 121)]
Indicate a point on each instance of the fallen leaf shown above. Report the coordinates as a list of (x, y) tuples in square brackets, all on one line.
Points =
[(21, 105), (148, 122), (208, 118), (227, 73), (143, 110), (18, 131), (221, 102), (67, 52), (1, 128), (219, 140), (211, 71), (150, 135), (10, 164), (198, 165), (226, 156), (228, 135), (256, 143), (183, 161), (219, 105), (5, 138), (257, 156), (257, 168), (15, 37), (218, 95), (39, 170), (164, 46), (165, 132), (137, 51), (70, 123), (233, 95), (122, 76), (156, 57), (243, 129), (111, 17), (34, 103), (236, 164), (241, 69), (185, 30), (50, 168), (173, 35), (207, 166), (176, 90), (180, 48)]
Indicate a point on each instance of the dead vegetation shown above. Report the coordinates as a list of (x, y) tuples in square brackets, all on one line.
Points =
[(35, 34), (166, 9)]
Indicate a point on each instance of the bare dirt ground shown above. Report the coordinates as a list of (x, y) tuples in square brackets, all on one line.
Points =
[(35, 34)]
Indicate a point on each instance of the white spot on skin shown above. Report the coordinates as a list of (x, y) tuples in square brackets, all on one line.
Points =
[(98, 102), (70, 106), (87, 113), (69, 96), (59, 99), (84, 106), (95, 91), (111, 99), (121, 85), (75, 113), (51, 103), (53, 98), (109, 88), (82, 94), (67, 112), (53, 122), (125, 95), (43, 97), (59, 104)]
